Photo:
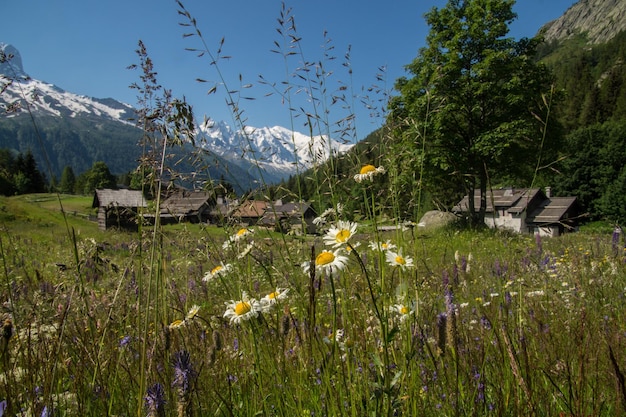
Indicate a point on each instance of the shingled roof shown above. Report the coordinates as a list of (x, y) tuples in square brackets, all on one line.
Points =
[(118, 198), (514, 200), (186, 202), (552, 211)]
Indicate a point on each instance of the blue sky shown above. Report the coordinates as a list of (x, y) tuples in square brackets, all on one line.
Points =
[(86, 46)]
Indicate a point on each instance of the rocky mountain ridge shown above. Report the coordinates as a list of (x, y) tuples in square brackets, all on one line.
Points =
[(597, 20)]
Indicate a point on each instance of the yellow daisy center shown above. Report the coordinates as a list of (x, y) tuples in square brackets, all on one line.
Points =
[(384, 246), (342, 236), (324, 258), (242, 308), (241, 232), (176, 324), (367, 169), (216, 269), (273, 295), (404, 310), (400, 260)]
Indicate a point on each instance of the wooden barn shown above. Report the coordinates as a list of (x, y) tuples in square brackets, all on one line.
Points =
[(118, 208)]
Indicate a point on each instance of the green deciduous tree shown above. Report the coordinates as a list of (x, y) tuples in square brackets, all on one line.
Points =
[(475, 109), (98, 176)]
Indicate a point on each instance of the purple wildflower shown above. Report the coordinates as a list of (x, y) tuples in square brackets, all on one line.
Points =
[(184, 374), (507, 298), (617, 232), (445, 279), (463, 264), (481, 392), (125, 341), (485, 323), (155, 400)]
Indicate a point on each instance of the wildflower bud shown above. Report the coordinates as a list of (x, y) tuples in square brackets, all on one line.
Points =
[(7, 329), (211, 355), (167, 337), (441, 331), (285, 324), (217, 340)]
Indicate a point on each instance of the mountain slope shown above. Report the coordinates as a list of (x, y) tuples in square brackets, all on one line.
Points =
[(598, 21)]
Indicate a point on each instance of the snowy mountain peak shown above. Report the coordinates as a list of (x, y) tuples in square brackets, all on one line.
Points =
[(20, 92), (11, 62), (278, 151)]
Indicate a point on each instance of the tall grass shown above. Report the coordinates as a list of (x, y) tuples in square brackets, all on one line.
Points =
[(239, 320)]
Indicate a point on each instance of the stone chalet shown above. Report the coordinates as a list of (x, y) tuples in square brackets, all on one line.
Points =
[(526, 210)]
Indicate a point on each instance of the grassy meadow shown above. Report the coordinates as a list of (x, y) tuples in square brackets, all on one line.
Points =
[(200, 320), (204, 320)]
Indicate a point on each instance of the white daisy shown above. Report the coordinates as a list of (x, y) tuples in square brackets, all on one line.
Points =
[(328, 261), (272, 298), (176, 324), (382, 246), (193, 311), (220, 269), (246, 251), (241, 233), (340, 234), (368, 172), (403, 311), (242, 310), (396, 259)]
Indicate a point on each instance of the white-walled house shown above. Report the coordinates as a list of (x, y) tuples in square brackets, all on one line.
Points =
[(526, 210)]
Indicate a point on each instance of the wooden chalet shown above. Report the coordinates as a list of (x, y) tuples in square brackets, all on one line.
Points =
[(118, 208), (295, 217), (526, 210), (187, 206)]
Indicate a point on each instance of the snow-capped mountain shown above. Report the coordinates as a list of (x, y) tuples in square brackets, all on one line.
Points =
[(81, 130), (278, 151), (20, 92)]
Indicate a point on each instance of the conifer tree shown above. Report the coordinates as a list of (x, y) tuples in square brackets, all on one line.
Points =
[(68, 181)]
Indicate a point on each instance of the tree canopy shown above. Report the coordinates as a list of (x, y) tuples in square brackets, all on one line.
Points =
[(475, 109)]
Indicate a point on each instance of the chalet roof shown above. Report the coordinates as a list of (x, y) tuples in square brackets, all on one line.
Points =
[(292, 208), (553, 210), (184, 201), (106, 197), (515, 200), (252, 208), (286, 210)]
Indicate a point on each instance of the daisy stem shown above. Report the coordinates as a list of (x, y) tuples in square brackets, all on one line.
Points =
[(334, 293), (382, 319)]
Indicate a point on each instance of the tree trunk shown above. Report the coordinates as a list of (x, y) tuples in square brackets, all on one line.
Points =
[(480, 218)]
